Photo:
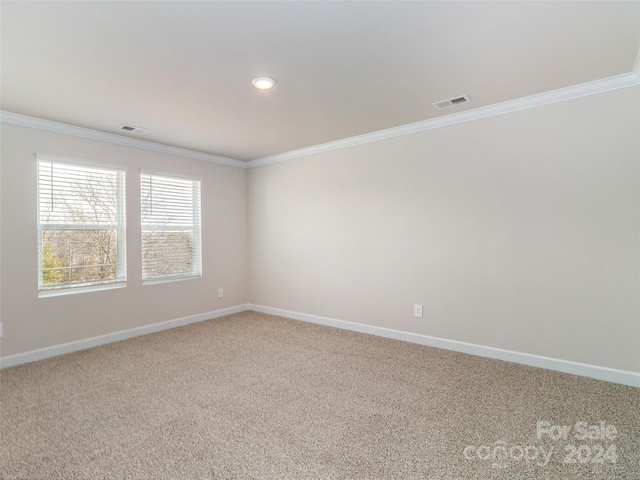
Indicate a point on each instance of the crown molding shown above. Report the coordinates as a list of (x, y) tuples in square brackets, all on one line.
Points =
[(63, 128), (554, 96)]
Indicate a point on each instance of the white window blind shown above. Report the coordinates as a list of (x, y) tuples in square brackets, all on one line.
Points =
[(171, 238), (81, 226)]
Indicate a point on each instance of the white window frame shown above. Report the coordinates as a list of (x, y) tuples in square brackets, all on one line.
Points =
[(195, 227), (119, 226)]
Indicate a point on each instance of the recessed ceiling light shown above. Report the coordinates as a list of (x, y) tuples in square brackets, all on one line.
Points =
[(263, 83)]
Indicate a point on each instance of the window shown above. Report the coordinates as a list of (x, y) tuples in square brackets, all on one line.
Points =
[(81, 226), (171, 241)]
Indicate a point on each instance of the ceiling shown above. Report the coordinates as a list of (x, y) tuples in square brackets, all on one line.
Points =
[(183, 69)]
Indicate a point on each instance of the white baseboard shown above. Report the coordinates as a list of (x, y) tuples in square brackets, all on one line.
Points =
[(593, 371), (41, 354)]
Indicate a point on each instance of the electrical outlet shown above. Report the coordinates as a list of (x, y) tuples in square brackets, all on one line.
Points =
[(417, 310), (220, 292)]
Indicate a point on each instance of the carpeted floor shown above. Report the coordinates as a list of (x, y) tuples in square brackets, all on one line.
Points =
[(253, 396)]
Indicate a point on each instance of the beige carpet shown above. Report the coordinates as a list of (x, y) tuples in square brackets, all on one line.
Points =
[(253, 396)]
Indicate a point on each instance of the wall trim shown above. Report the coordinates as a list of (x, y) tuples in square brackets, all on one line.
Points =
[(576, 91), (565, 366), (554, 96), (65, 129), (43, 353)]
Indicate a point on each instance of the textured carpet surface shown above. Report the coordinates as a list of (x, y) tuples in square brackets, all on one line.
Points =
[(253, 396)]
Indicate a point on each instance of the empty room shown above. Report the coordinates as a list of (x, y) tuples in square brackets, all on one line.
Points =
[(320, 240)]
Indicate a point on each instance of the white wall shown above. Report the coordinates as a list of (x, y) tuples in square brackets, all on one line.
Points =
[(32, 323), (518, 232)]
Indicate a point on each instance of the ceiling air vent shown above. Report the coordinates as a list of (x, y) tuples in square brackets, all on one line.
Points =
[(131, 129), (452, 101)]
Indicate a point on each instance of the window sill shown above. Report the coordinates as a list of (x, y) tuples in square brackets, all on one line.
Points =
[(72, 290), (170, 280)]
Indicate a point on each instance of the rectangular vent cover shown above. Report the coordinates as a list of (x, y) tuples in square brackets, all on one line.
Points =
[(132, 129), (452, 101)]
